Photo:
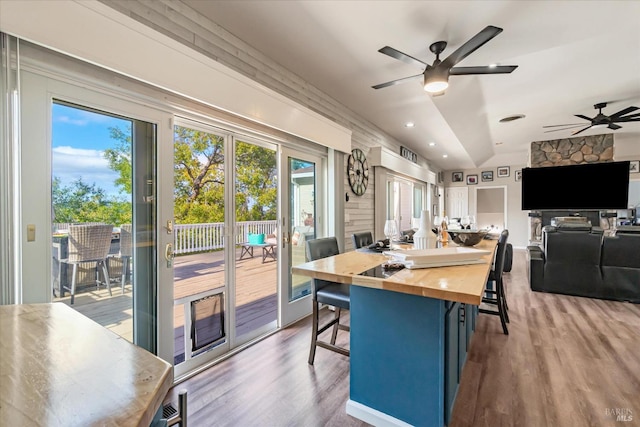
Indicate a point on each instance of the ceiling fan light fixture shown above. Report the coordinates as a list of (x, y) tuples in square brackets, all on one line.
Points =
[(600, 126), (435, 83), (436, 80)]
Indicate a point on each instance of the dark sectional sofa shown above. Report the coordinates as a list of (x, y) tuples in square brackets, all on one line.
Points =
[(579, 260)]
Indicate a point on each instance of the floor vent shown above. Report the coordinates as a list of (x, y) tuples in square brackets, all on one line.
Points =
[(168, 411)]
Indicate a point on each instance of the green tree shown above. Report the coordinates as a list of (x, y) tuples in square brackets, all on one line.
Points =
[(119, 158), (82, 202), (199, 162), (256, 183), (198, 176)]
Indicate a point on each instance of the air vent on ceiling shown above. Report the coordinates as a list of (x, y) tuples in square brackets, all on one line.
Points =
[(512, 118)]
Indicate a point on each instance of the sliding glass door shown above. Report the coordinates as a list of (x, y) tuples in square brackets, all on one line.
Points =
[(226, 241), (301, 221), (89, 197)]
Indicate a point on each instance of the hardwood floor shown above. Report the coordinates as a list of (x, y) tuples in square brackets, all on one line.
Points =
[(567, 361)]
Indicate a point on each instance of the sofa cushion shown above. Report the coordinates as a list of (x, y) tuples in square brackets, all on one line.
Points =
[(573, 263), (621, 266)]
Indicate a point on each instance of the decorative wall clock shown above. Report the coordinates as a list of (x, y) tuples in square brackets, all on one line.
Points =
[(358, 172)]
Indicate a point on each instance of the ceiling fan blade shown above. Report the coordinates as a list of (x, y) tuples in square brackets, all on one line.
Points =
[(565, 128), (614, 126), (472, 45), (556, 130), (623, 112), (568, 124), (632, 118), (396, 54), (500, 69), (583, 117), (395, 82), (581, 130)]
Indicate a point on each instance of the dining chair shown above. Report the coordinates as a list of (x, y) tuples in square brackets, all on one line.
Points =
[(362, 240), (494, 289), (88, 244), (328, 293)]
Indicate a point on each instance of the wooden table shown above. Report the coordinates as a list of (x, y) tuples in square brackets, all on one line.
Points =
[(409, 335), (59, 368)]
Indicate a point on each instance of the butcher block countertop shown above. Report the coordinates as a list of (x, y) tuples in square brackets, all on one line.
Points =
[(462, 283), (59, 368)]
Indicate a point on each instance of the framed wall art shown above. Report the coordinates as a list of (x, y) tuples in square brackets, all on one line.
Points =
[(457, 177), (472, 179), (503, 172), (487, 176)]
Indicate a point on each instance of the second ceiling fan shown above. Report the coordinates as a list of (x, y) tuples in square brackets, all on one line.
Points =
[(436, 76)]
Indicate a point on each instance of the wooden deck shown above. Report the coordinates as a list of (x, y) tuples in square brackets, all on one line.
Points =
[(256, 295)]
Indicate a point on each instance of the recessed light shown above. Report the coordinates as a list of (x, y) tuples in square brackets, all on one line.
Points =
[(445, 155), (432, 144), (409, 124), (512, 118)]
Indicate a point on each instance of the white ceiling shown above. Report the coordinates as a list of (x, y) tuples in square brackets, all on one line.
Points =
[(570, 56)]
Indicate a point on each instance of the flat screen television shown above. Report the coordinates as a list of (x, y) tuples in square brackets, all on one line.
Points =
[(592, 186)]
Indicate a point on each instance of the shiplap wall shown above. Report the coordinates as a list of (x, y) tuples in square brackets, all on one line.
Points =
[(178, 21)]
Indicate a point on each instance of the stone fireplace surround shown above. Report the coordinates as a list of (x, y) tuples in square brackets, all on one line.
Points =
[(564, 152)]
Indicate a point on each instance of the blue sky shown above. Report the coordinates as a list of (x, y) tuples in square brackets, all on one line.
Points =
[(79, 139)]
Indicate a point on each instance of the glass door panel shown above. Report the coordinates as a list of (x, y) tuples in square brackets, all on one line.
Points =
[(256, 240), (300, 199), (199, 264), (302, 214), (103, 254)]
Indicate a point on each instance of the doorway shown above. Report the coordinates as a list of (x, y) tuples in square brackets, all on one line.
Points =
[(491, 208)]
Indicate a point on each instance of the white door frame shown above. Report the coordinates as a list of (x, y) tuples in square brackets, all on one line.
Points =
[(38, 92), (291, 311)]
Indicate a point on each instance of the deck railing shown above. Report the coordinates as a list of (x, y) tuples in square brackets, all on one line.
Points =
[(191, 238)]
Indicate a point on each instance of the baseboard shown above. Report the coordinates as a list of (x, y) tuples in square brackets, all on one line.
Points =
[(373, 416)]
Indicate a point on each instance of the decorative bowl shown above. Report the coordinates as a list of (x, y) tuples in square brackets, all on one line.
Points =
[(467, 237)]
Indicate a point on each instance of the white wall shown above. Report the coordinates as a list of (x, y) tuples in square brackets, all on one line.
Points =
[(517, 220)]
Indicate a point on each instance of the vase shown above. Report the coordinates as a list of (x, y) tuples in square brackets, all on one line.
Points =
[(421, 237)]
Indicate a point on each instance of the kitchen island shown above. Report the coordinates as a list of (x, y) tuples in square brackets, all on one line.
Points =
[(409, 334), (60, 368)]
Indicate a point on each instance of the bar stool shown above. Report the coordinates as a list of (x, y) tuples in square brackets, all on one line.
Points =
[(362, 240), (329, 293), (497, 296)]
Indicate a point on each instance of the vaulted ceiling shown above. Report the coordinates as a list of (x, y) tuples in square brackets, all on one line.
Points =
[(570, 56)]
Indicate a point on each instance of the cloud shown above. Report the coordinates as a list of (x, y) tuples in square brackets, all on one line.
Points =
[(70, 164), (69, 120)]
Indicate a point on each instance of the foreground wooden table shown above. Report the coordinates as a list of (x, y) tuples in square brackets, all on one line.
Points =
[(410, 334), (59, 368)]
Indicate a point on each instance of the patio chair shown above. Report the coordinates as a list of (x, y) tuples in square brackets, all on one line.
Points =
[(88, 244), (126, 252)]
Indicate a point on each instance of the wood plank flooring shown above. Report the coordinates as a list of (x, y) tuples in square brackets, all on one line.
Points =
[(567, 361)]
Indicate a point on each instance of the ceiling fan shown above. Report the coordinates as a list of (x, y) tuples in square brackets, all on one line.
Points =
[(436, 76), (601, 120)]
